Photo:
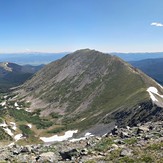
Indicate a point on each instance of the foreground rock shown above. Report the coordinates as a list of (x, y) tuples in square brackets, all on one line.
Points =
[(143, 143)]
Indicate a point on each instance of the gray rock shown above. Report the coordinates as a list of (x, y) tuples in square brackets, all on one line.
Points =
[(49, 157), (126, 152), (69, 154), (25, 150), (114, 131), (143, 129), (5, 155), (84, 151), (119, 141), (124, 135)]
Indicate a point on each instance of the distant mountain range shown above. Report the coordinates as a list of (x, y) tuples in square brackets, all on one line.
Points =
[(12, 74), (138, 56), (31, 58), (152, 67), (45, 58)]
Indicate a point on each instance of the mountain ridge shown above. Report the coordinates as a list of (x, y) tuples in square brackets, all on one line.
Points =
[(88, 87), (12, 74), (152, 67)]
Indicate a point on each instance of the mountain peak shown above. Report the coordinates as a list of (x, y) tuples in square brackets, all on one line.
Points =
[(87, 88)]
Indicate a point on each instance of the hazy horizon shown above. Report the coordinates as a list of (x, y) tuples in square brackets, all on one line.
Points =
[(66, 52)]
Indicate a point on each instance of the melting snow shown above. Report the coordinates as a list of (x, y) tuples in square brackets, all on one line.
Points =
[(18, 108), (16, 104), (3, 103), (18, 137), (13, 125), (67, 135), (83, 119), (28, 110), (88, 134), (3, 124), (5, 127), (29, 125), (5, 97), (8, 131), (152, 92)]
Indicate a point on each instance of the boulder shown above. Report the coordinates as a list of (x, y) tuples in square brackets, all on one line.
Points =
[(69, 154), (126, 152), (47, 157)]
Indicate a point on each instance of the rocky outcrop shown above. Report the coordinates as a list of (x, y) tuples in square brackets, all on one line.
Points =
[(142, 143)]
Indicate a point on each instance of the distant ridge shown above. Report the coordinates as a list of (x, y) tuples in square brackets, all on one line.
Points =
[(139, 56), (35, 58), (12, 74), (152, 67)]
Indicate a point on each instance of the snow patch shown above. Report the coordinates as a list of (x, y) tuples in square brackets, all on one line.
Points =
[(83, 119), (3, 103), (13, 125), (4, 97), (16, 104), (155, 96), (3, 124), (18, 137), (18, 108), (29, 125), (6, 129), (67, 135), (9, 132), (28, 110)]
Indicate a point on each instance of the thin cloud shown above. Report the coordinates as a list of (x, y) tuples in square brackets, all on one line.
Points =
[(157, 24)]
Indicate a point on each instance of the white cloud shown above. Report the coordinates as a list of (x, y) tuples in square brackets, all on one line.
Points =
[(157, 24)]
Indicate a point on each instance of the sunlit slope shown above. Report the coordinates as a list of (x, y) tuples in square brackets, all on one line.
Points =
[(87, 87)]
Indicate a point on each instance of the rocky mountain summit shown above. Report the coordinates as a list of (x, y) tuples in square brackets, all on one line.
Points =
[(87, 89), (141, 143)]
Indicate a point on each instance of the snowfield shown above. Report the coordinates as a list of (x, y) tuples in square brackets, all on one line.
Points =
[(153, 92), (67, 135)]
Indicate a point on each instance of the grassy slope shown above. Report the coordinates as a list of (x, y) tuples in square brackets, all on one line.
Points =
[(130, 91), (113, 85)]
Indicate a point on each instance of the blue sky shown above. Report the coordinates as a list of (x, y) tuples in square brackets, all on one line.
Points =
[(68, 25)]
